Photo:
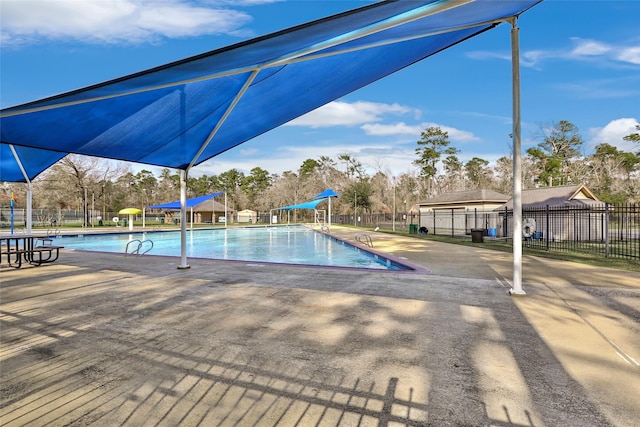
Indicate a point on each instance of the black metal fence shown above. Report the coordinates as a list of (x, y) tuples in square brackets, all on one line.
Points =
[(606, 230), (599, 229)]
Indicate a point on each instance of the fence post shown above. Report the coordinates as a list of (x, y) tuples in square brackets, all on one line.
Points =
[(606, 229), (475, 217), (452, 222), (505, 223), (434, 222), (546, 231)]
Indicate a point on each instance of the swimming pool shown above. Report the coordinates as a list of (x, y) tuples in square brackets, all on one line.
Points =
[(283, 244)]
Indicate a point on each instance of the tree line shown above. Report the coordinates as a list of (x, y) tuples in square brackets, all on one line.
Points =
[(79, 182)]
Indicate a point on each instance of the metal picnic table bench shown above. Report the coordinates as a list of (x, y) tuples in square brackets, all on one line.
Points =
[(28, 248)]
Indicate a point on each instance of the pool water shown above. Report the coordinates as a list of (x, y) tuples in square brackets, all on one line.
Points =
[(293, 245)]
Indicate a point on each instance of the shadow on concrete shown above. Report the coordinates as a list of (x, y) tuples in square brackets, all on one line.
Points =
[(110, 340)]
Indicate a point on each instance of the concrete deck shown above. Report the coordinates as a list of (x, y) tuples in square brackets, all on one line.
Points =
[(109, 340)]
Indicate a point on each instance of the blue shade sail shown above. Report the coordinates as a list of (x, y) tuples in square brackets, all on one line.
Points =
[(326, 194), (34, 161), (306, 205), (183, 113), (189, 202)]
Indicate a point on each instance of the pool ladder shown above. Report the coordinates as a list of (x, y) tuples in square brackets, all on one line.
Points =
[(365, 239), (53, 232), (135, 250)]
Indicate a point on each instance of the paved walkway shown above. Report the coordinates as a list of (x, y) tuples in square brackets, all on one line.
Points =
[(104, 339)]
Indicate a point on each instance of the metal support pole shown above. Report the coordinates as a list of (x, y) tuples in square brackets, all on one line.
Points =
[(183, 220), (517, 162), (29, 218), (29, 223), (393, 219)]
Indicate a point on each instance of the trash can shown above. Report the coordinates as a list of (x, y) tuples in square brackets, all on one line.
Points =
[(413, 228), (477, 235), (492, 232), (100, 223)]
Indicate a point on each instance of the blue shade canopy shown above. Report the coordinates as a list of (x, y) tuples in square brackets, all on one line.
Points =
[(183, 113), (325, 194), (33, 162), (306, 205), (190, 202)]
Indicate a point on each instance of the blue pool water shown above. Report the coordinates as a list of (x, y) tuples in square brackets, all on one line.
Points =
[(293, 245)]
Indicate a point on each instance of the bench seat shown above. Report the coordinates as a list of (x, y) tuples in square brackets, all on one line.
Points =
[(36, 256)]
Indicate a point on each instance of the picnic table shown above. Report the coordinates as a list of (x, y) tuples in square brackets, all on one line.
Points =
[(17, 249)]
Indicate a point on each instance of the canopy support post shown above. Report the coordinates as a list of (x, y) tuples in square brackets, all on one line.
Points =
[(183, 220), (517, 162), (29, 223)]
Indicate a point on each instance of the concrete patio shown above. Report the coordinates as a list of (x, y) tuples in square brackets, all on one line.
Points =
[(109, 340)]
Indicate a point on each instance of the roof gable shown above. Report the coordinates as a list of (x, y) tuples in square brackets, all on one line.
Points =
[(466, 197), (574, 195)]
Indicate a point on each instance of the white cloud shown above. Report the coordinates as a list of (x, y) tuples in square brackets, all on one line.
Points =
[(613, 133), (589, 48), (581, 50), (456, 134), (367, 115), (339, 113), (396, 157), (113, 21), (248, 151), (400, 128), (630, 54)]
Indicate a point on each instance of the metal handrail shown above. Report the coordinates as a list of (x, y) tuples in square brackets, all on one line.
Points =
[(142, 243), (136, 251), (365, 239)]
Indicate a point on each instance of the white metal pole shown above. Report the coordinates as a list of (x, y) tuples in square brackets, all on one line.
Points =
[(226, 220), (329, 214), (29, 223), (517, 163), (29, 206), (183, 220)]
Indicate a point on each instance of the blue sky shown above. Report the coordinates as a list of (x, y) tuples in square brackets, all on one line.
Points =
[(580, 61)]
